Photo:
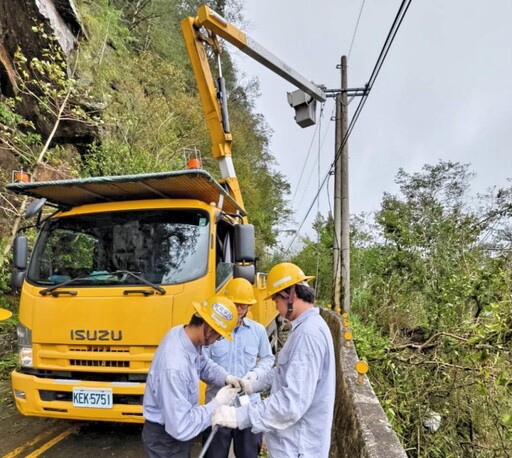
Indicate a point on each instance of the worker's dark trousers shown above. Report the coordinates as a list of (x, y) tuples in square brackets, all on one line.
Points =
[(245, 443), (158, 444)]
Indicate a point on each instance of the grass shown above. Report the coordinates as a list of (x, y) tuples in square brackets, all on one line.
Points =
[(7, 364), (8, 351)]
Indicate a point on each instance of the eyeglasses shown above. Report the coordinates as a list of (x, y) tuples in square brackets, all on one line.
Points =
[(242, 306)]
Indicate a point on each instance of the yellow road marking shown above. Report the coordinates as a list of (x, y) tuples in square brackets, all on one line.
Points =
[(39, 438), (52, 442), (28, 444)]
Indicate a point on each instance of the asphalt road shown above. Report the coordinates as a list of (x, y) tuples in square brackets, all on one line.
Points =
[(24, 437)]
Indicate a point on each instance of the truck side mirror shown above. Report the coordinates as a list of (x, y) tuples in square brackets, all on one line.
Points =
[(20, 250), (247, 271), (17, 278), (244, 243), (34, 207), (244, 252)]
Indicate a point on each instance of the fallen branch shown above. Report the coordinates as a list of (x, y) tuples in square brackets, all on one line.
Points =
[(429, 342)]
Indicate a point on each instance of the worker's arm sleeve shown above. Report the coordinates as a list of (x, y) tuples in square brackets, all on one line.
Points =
[(266, 358), (211, 373), (183, 419), (297, 376)]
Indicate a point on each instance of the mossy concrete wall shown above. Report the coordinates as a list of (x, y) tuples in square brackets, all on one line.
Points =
[(360, 428)]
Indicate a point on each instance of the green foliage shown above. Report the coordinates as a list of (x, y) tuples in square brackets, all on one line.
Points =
[(316, 258), (17, 134), (432, 306), (43, 82), (8, 350), (5, 268), (151, 110), (431, 294), (7, 365), (46, 80), (263, 188), (132, 70)]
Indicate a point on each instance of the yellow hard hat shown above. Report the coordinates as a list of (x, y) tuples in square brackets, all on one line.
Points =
[(4, 314), (283, 275), (240, 291), (220, 313)]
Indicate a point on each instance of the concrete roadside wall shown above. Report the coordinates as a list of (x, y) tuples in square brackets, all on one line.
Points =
[(360, 428)]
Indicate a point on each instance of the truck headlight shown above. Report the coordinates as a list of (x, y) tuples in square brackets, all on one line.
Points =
[(24, 345)]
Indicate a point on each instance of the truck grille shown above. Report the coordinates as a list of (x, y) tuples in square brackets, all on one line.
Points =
[(79, 357), (102, 363), (98, 349), (101, 348)]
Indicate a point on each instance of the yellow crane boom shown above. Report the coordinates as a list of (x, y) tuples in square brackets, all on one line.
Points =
[(213, 98)]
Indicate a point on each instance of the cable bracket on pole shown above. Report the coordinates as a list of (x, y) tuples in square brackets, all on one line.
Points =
[(351, 92)]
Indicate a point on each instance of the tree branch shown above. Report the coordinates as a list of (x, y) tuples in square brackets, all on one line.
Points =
[(429, 342)]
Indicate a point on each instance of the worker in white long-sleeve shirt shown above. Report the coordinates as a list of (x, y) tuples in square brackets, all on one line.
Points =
[(172, 412), (248, 355), (296, 418)]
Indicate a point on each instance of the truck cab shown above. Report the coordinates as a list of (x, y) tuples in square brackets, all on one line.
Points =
[(116, 266)]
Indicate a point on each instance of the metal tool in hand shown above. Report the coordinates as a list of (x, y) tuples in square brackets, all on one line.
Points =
[(235, 402)]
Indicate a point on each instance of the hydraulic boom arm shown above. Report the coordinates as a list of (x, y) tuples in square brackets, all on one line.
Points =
[(214, 99)]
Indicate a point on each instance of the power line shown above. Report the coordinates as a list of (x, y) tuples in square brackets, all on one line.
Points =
[(305, 162), (402, 10), (316, 163), (355, 30)]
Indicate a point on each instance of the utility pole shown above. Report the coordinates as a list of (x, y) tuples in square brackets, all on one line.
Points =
[(337, 205), (341, 249), (345, 215)]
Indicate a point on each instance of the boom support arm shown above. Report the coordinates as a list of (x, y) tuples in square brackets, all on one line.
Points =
[(217, 123)]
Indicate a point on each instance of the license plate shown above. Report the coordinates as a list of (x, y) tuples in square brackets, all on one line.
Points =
[(99, 399)]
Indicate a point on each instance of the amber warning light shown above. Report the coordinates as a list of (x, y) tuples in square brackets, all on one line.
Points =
[(19, 176), (193, 158)]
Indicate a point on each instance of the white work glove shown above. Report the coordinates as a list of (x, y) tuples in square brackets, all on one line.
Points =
[(225, 416), (251, 376), (251, 384), (246, 386), (233, 381), (226, 395)]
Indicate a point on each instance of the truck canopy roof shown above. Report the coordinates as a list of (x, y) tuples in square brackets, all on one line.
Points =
[(184, 184)]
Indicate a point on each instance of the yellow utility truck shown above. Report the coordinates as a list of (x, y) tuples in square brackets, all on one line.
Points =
[(121, 259)]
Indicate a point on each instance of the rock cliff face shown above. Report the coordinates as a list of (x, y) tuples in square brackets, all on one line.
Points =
[(16, 20), (57, 17)]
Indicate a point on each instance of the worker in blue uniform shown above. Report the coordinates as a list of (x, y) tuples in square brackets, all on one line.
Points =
[(249, 355), (296, 418), (172, 412)]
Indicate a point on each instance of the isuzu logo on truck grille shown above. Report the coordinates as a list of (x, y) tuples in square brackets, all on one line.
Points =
[(96, 334)]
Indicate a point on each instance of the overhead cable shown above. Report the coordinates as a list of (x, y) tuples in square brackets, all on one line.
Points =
[(305, 162), (402, 10), (355, 30)]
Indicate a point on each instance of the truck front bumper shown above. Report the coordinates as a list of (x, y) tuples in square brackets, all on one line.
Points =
[(51, 397)]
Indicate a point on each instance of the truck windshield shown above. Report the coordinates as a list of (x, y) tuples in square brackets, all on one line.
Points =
[(161, 246)]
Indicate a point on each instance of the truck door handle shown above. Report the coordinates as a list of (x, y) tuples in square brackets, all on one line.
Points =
[(145, 292), (58, 293)]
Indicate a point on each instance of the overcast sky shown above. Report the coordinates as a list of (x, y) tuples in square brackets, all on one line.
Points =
[(444, 91)]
